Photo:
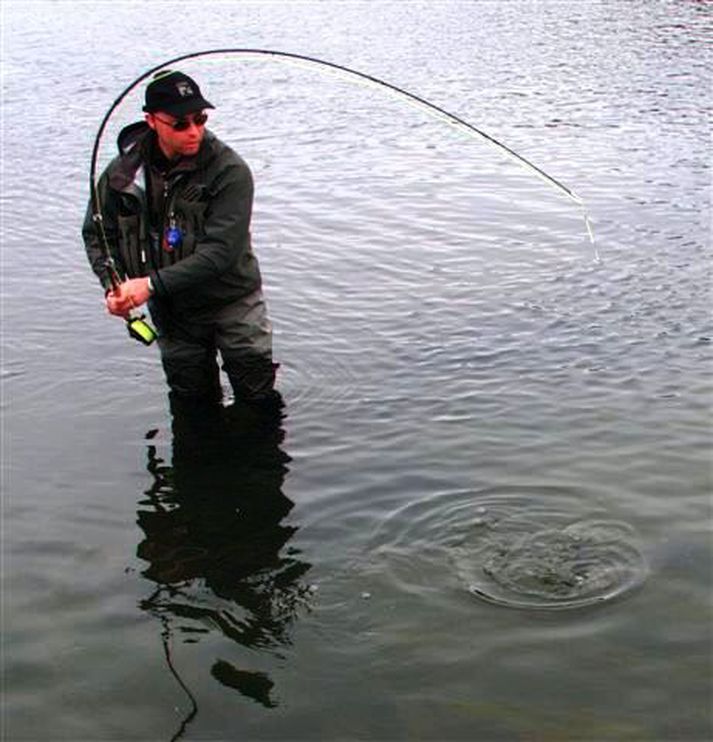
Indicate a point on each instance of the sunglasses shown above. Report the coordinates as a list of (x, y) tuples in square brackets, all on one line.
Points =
[(198, 119)]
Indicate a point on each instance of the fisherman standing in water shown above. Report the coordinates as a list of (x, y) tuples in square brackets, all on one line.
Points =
[(176, 206)]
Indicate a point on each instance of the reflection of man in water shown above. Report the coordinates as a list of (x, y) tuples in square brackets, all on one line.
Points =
[(216, 521)]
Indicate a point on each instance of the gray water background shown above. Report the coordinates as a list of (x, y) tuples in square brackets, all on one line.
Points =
[(449, 345)]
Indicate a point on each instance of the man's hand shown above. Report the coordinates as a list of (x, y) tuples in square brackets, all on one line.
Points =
[(127, 296)]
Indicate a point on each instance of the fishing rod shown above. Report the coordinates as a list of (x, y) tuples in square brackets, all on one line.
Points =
[(321, 64)]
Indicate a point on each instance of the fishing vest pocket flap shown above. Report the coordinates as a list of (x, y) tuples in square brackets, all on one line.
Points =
[(192, 212), (191, 218)]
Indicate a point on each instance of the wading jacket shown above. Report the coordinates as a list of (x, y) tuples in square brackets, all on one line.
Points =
[(208, 197)]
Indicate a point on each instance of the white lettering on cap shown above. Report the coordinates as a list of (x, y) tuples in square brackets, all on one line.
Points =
[(184, 89)]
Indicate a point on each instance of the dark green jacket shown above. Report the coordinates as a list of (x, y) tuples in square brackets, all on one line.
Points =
[(209, 197)]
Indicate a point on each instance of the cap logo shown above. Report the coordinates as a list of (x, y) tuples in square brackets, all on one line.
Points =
[(184, 89)]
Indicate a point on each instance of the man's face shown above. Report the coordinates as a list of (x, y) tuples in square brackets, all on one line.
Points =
[(173, 143)]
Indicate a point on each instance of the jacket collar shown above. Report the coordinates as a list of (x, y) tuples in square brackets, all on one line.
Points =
[(135, 142)]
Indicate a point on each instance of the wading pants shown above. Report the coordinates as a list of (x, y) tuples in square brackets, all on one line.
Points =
[(240, 332)]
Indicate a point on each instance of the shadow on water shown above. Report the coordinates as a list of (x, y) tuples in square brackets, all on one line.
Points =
[(216, 545)]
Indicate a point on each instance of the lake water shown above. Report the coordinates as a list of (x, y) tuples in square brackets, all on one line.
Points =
[(486, 514)]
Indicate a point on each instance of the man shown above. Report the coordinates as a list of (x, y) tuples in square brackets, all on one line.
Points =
[(176, 206)]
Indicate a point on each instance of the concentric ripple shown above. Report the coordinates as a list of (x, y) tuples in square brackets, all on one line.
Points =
[(522, 560), (530, 549)]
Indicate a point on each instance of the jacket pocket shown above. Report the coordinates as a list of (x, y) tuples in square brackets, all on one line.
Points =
[(130, 248)]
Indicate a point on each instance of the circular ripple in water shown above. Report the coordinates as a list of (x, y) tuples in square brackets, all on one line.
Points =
[(548, 550), (530, 560)]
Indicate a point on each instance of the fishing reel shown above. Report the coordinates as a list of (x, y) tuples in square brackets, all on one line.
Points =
[(141, 330)]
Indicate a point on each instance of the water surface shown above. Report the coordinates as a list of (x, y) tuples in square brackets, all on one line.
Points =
[(483, 422)]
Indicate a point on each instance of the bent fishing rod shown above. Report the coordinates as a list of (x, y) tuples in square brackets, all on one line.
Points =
[(322, 65)]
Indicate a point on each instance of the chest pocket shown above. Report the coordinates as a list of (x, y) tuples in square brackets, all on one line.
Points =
[(190, 217)]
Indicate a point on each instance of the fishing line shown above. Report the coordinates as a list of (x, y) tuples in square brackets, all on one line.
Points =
[(344, 71)]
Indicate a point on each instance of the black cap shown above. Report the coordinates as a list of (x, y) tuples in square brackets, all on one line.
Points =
[(174, 93)]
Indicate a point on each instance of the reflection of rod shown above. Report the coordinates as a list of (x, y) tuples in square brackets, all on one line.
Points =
[(150, 605), (300, 58), (179, 680)]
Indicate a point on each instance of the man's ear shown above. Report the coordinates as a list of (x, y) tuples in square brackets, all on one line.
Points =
[(150, 121)]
